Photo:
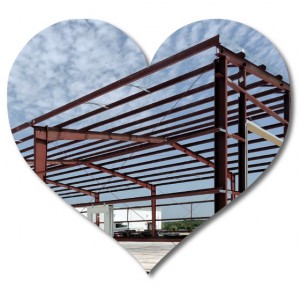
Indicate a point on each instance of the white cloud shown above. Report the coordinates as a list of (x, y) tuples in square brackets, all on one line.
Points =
[(66, 61)]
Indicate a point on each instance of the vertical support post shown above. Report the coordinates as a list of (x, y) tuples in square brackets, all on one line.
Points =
[(242, 154), (97, 199), (153, 210), (40, 152), (287, 104), (232, 180), (108, 211), (128, 227), (109, 220), (220, 140)]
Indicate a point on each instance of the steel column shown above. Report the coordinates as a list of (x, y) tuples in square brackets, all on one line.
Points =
[(287, 103), (233, 189), (40, 153), (97, 200), (242, 133), (153, 210), (220, 138)]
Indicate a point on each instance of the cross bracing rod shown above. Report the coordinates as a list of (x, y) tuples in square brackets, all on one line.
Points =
[(208, 117), (156, 152), (192, 91), (152, 177), (126, 80), (182, 163), (169, 121), (123, 176), (163, 184), (157, 197), (160, 182)]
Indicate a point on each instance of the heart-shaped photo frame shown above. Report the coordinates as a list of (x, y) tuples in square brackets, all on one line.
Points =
[(149, 152)]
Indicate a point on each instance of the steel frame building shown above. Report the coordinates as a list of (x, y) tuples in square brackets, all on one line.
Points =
[(203, 140)]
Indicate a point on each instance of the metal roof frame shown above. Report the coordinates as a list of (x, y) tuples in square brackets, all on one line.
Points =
[(203, 140)]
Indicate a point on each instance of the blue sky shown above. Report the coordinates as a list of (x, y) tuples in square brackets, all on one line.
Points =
[(72, 58), (66, 61)]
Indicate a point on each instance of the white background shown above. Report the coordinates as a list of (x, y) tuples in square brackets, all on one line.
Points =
[(43, 242)]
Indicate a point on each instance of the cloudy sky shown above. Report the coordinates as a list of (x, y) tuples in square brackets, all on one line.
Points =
[(66, 61), (72, 58)]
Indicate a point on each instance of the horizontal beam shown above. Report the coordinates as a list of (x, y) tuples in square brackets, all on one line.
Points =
[(146, 146), (254, 128), (166, 204), (54, 134), (57, 162), (251, 68), (162, 123), (157, 197)]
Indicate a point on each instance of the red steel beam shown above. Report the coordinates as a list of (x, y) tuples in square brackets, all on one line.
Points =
[(97, 200), (70, 187), (253, 85), (193, 154), (220, 139), (157, 197), (40, 154), (172, 204), (188, 162), (169, 140), (118, 174), (54, 134), (57, 161), (198, 157), (242, 117), (171, 121), (165, 150), (253, 69), (287, 104), (130, 98), (153, 210), (125, 81), (138, 95)]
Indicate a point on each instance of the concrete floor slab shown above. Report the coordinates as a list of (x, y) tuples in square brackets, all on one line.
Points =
[(149, 253)]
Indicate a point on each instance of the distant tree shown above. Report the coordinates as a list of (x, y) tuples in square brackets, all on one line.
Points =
[(186, 224)]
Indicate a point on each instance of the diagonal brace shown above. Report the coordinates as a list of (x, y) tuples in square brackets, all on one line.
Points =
[(197, 157), (118, 174)]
